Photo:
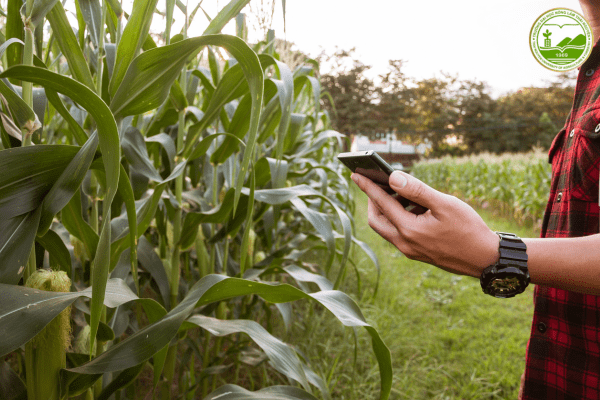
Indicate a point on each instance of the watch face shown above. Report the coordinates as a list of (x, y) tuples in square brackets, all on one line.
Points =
[(507, 285)]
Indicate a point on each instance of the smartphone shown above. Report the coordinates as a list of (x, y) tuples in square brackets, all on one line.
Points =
[(370, 164)]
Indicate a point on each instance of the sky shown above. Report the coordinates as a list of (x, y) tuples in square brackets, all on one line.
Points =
[(486, 40)]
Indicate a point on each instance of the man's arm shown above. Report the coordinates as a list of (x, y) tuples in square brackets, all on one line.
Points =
[(452, 236), (565, 263)]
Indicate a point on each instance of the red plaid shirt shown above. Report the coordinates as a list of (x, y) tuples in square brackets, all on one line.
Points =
[(563, 354)]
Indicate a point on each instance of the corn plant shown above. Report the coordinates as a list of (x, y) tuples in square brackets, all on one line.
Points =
[(180, 192), (515, 185)]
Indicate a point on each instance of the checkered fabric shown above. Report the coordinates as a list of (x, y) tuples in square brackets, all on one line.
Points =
[(563, 354)]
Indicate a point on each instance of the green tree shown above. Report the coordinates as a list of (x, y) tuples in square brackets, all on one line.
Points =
[(352, 92)]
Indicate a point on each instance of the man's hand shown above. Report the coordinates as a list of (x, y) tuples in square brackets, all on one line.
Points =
[(450, 235)]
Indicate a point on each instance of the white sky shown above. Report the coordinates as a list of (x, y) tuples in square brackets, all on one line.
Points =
[(476, 39)]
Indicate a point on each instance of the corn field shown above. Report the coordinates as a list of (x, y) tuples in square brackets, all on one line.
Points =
[(159, 200), (515, 185)]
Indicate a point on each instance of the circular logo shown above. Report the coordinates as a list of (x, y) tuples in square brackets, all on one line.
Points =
[(561, 39)]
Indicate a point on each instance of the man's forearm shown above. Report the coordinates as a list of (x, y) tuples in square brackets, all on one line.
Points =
[(566, 263)]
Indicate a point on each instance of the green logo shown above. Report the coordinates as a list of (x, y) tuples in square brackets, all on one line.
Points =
[(561, 39)]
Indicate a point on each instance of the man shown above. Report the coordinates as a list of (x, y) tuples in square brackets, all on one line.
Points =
[(563, 354)]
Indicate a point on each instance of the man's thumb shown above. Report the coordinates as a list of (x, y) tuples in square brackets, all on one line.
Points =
[(397, 180), (414, 190)]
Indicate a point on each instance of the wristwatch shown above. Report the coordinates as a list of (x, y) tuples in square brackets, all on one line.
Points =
[(509, 276)]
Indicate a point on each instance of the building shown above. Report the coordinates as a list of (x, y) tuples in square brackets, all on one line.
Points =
[(391, 150)]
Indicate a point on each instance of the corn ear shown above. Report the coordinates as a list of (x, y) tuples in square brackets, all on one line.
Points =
[(46, 352)]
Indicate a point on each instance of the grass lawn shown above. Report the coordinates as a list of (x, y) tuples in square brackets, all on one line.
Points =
[(448, 340)]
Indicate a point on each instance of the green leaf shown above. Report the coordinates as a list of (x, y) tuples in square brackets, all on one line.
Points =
[(365, 247), (76, 130), (285, 89), (246, 260), (92, 15), (226, 14), (167, 143), (14, 29), (4, 45), (11, 385), (145, 213), (177, 98), (28, 174), (122, 380), (72, 219), (215, 68), (192, 220), (234, 392), (134, 149), (205, 143), (132, 39), (126, 192), (64, 36), (320, 221), (283, 358), (25, 117), (39, 10), (150, 261), (149, 78), (116, 7), (231, 86), (16, 237), (302, 275), (59, 254), (203, 75), (67, 183)]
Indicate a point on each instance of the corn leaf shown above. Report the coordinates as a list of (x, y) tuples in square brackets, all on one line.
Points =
[(16, 240), (58, 252), (28, 174), (283, 358), (234, 392), (5, 45), (133, 37), (227, 13), (92, 15), (150, 261), (14, 29), (124, 378), (73, 221), (145, 213), (11, 385), (25, 117), (67, 183), (67, 42)]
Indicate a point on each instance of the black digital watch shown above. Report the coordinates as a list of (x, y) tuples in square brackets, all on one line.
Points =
[(509, 276)]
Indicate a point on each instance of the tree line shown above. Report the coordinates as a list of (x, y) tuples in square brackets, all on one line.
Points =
[(454, 116)]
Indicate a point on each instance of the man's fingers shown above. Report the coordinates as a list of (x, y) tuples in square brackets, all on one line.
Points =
[(387, 205), (380, 224), (416, 191)]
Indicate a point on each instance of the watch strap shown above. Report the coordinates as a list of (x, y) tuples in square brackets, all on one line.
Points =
[(512, 250)]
